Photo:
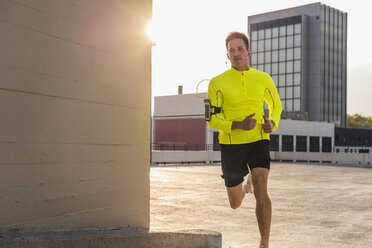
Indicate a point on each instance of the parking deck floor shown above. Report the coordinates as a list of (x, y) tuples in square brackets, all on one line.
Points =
[(313, 205)]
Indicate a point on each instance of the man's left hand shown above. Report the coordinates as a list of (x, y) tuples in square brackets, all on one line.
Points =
[(268, 125)]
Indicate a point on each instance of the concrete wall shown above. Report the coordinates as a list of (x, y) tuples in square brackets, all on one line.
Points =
[(75, 113), (306, 128)]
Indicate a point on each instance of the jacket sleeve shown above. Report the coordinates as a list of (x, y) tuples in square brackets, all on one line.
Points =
[(272, 98), (217, 121)]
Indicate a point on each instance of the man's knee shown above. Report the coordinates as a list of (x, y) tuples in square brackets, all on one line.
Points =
[(260, 183), (235, 195), (260, 192), (234, 204)]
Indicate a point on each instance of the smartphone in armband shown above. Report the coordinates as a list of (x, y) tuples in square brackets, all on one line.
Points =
[(208, 112)]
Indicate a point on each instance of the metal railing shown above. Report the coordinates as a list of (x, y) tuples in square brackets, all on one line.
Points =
[(273, 147), (185, 147)]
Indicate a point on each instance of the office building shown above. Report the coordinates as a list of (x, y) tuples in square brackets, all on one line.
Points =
[(304, 49)]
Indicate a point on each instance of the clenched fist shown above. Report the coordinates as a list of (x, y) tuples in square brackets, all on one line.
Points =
[(247, 124), (268, 125)]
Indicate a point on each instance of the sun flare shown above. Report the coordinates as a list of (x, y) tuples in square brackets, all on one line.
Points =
[(150, 30)]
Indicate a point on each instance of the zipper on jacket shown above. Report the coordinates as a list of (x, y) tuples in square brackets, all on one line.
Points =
[(243, 84)]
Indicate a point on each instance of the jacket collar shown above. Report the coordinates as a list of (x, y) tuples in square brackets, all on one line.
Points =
[(236, 72)]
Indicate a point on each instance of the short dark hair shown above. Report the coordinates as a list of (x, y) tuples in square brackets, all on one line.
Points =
[(237, 35)]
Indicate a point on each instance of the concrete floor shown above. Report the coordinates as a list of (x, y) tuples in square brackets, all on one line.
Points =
[(313, 205)]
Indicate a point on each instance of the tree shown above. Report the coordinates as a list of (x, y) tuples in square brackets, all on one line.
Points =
[(359, 121)]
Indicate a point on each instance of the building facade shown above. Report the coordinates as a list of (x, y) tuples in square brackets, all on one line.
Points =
[(179, 124), (304, 49)]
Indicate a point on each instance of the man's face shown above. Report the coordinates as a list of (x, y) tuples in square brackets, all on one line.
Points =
[(238, 54)]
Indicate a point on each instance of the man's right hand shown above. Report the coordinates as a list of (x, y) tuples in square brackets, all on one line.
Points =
[(247, 124)]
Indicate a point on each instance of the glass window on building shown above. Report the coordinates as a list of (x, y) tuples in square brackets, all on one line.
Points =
[(289, 67), (296, 105), (261, 45), (289, 79), (282, 31), (282, 42), (274, 68), (282, 80), (275, 57), (297, 66), (281, 67), (281, 91), (268, 44), (290, 29), (254, 58), (297, 40), (267, 68), (314, 144), (290, 54), (297, 79), (216, 143), (297, 53), (261, 34), (268, 57), (274, 142), (289, 92), (275, 79), (283, 102), (274, 43), (296, 92), (326, 144), (301, 143), (297, 28), (254, 46), (290, 41), (254, 35), (287, 143), (275, 32), (289, 104), (267, 33), (260, 58)]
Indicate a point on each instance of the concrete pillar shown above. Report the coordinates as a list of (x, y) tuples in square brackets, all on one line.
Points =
[(75, 114)]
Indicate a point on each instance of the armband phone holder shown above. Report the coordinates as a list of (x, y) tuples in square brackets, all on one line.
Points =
[(210, 110)]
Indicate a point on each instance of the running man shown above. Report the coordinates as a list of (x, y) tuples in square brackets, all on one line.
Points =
[(244, 129)]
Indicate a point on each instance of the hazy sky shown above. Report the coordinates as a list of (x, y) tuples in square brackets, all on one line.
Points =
[(190, 36)]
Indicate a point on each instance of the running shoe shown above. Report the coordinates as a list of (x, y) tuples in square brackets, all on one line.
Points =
[(249, 186)]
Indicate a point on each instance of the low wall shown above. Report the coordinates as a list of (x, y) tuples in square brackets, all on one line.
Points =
[(160, 157), (111, 238)]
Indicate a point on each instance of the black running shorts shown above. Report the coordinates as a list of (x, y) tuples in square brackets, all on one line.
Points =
[(237, 157)]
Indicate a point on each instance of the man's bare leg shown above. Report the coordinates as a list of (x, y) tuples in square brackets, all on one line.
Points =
[(263, 203), (236, 194)]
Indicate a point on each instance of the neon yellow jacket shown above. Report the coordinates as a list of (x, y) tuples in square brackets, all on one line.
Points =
[(241, 93)]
